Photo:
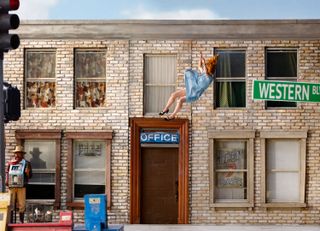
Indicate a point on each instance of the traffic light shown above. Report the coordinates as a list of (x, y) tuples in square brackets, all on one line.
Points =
[(11, 103), (7, 22)]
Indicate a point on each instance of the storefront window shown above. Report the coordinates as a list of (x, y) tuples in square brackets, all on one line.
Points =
[(41, 155), (40, 86), (231, 168), (90, 77), (43, 151), (89, 167), (89, 159), (283, 180)]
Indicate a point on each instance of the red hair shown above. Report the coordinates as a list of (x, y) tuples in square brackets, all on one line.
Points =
[(211, 64)]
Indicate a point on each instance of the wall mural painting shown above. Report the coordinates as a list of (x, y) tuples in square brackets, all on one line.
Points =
[(40, 94)]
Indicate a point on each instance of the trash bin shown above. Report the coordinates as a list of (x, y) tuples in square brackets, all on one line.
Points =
[(95, 212)]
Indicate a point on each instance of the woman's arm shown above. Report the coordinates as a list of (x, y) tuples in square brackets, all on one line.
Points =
[(201, 63)]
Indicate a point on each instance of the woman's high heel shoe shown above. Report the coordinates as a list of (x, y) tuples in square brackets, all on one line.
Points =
[(164, 112)]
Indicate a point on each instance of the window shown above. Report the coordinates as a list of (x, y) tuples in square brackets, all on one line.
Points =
[(231, 168), (283, 168), (281, 65), (90, 78), (88, 166), (40, 73), (160, 74), (43, 151), (230, 86)]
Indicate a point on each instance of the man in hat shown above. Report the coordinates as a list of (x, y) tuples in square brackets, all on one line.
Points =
[(19, 171), (35, 160)]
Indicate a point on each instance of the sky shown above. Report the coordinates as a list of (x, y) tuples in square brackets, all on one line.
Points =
[(168, 9)]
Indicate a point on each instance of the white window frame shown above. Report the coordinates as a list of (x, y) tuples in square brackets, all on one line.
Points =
[(283, 135), (232, 135)]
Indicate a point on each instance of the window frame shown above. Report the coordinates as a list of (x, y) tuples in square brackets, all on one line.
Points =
[(283, 135), (55, 135), (232, 135), (146, 110), (41, 79), (74, 135), (88, 78), (231, 79), (280, 78)]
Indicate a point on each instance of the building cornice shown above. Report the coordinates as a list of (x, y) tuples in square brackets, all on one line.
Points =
[(170, 29)]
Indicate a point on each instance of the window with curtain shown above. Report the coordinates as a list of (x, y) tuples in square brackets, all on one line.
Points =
[(281, 65), (283, 168), (230, 86), (160, 74), (231, 168), (40, 82), (90, 78)]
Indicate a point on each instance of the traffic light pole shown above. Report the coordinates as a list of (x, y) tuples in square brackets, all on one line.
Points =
[(2, 146)]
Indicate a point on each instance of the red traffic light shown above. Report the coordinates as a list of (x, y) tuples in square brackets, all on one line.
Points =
[(7, 22), (14, 4), (6, 5)]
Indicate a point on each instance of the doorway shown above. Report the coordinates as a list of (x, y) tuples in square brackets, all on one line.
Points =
[(159, 185), (140, 156)]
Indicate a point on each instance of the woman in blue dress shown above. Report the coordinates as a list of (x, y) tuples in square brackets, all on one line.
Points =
[(196, 82)]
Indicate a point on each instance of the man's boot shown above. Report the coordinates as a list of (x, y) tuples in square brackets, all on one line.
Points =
[(21, 216)]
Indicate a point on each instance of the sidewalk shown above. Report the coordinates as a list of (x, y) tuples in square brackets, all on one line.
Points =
[(222, 227)]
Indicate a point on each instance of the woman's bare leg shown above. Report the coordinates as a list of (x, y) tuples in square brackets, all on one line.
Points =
[(178, 107), (177, 94)]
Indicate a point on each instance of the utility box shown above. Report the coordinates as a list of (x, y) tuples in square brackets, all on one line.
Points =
[(95, 212), (4, 210)]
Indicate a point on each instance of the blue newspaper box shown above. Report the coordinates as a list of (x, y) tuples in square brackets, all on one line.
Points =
[(95, 212)]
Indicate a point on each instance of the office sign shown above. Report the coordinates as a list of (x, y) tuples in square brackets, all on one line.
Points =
[(159, 137), (286, 91)]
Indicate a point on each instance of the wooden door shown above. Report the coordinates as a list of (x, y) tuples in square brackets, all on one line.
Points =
[(159, 185)]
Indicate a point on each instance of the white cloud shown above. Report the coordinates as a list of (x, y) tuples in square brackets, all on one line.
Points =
[(35, 9), (142, 13)]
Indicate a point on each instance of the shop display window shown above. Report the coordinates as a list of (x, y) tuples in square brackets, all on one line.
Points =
[(42, 149), (89, 156), (231, 168), (283, 168)]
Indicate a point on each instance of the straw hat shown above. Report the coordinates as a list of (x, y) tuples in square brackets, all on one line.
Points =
[(19, 149)]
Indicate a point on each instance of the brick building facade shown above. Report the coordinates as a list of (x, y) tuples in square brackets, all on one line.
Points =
[(202, 125)]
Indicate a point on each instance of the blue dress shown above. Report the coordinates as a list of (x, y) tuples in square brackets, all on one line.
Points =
[(196, 83)]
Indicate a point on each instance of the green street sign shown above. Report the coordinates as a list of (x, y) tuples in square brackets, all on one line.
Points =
[(286, 91)]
